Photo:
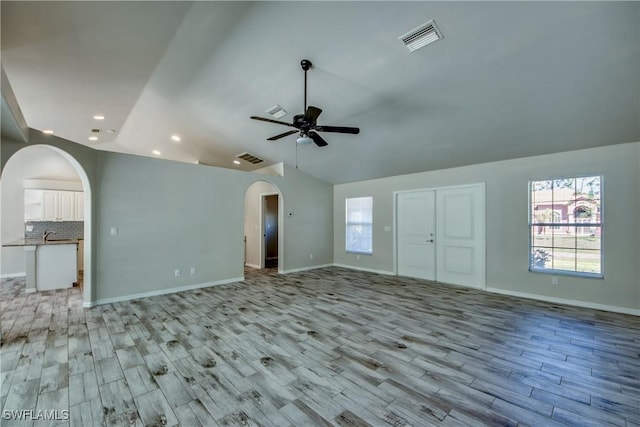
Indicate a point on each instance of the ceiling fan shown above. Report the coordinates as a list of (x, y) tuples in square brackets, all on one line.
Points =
[(306, 124)]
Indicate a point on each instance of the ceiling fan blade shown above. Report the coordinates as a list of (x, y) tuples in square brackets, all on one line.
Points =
[(262, 119), (338, 129), (312, 114), (282, 135), (320, 142)]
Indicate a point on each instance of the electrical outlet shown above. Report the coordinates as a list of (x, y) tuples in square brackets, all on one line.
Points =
[(177, 272), (357, 257), (554, 280), (310, 256), (193, 270), (114, 231)]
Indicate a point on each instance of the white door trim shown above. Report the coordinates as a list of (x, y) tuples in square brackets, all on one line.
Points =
[(262, 249)]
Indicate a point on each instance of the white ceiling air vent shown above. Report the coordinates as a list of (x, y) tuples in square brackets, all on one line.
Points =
[(276, 112), (421, 36), (250, 158)]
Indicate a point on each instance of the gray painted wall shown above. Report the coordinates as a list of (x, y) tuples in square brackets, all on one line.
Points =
[(174, 215), (507, 227)]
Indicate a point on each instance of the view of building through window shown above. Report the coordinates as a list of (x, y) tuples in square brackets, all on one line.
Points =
[(565, 225)]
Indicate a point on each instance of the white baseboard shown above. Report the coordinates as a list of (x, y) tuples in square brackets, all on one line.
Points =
[(311, 267), (30, 291), (369, 270), (10, 275), (577, 303), (161, 292), (251, 265)]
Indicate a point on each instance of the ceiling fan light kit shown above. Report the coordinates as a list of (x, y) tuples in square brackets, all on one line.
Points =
[(307, 124), (304, 140)]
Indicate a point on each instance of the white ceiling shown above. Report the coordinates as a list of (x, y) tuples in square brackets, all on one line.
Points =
[(509, 79)]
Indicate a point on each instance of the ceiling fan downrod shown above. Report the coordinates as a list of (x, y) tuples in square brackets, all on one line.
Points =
[(305, 64)]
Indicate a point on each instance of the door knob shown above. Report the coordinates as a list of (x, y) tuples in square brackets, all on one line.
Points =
[(430, 241)]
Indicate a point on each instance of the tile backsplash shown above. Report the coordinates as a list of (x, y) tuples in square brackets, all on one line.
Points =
[(63, 229)]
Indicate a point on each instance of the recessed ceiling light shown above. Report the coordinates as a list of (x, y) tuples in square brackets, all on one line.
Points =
[(47, 131), (156, 152), (111, 131), (98, 117), (176, 138), (237, 162), (93, 138)]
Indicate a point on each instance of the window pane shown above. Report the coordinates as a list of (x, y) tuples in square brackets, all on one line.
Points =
[(542, 199), (564, 259), (359, 209), (359, 238), (588, 238), (564, 237), (541, 258), (541, 239), (588, 261), (589, 186)]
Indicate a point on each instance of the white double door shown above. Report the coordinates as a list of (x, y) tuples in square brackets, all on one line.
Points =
[(441, 235)]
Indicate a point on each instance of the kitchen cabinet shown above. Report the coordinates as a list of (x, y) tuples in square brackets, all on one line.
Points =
[(49, 205), (79, 204), (53, 205), (33, 205)]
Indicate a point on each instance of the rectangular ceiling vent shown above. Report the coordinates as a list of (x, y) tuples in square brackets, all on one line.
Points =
[(276, 112), (421, 36), (250, 158)]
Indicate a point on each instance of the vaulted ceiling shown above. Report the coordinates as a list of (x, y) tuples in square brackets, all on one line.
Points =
[(509, 79)]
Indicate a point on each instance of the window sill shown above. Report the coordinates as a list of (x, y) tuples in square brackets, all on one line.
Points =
[(567, 273)]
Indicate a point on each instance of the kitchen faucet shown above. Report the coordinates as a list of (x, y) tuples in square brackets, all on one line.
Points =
[(45, 235)]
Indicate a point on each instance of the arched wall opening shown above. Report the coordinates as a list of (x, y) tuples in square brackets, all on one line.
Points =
[(9, 169), (258, 226)]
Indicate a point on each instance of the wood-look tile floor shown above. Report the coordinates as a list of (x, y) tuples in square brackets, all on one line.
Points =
[(324, 347)]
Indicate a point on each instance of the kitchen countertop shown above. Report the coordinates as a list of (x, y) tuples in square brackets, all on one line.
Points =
[(39, 242)]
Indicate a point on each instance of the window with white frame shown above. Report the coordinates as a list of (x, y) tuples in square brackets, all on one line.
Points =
[(359, 225), (565, 225)]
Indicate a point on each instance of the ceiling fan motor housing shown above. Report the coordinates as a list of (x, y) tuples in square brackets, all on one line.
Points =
[(300, 123)]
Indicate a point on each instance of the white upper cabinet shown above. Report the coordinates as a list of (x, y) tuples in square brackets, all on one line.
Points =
[(79, 213), (33, 204), (50, 205), (46, 200), (53, 205), (66, 205)]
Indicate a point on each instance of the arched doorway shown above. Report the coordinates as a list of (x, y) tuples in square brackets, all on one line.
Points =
[(12, 175), (263, 231)]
